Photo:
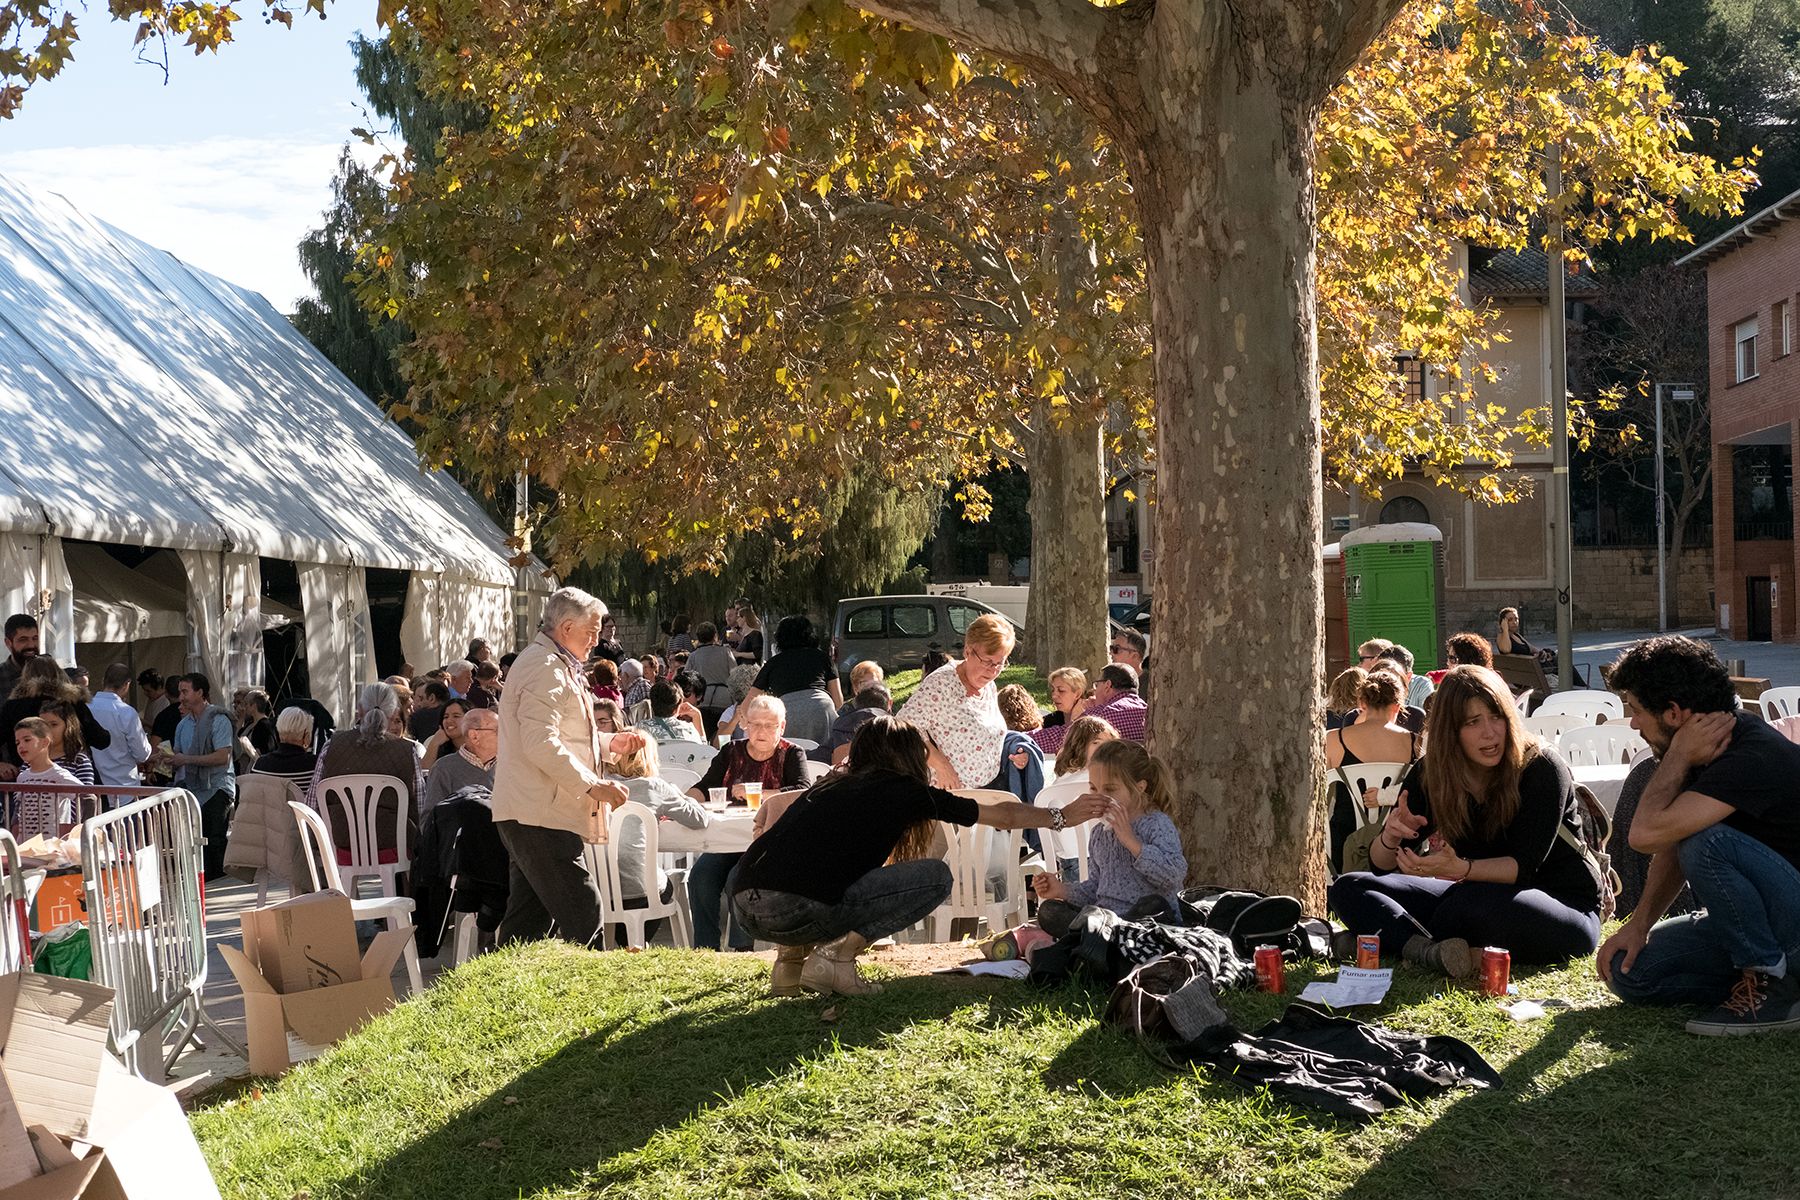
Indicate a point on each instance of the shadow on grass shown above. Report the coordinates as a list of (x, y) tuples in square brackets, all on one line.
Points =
[(611, 1091), (1612, 1102)]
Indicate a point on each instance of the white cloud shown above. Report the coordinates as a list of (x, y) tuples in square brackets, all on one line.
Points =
[(234, 206)]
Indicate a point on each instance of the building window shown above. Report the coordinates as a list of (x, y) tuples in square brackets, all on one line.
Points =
[(1762, 485), (1745, 337), (1405, 508), (1784, 333)]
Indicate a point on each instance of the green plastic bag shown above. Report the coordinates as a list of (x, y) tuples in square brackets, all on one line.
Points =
[(65, 952)]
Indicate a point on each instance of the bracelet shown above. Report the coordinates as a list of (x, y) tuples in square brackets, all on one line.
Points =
[(1468, 865), (1382, 838)]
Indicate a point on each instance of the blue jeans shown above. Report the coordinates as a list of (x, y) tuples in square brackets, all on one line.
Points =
[(706, 888), (1749, 900), (886, 900)]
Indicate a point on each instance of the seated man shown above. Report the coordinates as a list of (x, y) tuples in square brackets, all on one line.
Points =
[(664, 725), (873, 700), (1721, 813), (473, 765), (1116, 701)]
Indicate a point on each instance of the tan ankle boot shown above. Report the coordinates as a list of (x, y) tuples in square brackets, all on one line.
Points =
[(832, 968), (784, 979), (1453, 956)]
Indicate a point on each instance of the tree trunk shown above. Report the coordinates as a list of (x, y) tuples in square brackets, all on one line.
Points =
[(1223, 171), (1066, 611)]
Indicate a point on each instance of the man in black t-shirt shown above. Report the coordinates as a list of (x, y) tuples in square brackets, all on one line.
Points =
[(1722, 813)]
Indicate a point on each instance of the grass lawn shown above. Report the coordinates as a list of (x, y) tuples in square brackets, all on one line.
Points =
[(553, 1072), (902, 683)]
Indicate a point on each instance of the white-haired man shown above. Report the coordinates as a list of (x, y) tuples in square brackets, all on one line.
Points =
[(548, 782)]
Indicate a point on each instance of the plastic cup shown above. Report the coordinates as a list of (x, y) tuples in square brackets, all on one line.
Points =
[(716, 798), (753, 795)]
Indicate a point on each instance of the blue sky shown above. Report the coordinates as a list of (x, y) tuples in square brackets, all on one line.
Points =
[(226, 164)]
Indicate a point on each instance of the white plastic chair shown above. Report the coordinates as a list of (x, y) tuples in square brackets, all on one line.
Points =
[(692, 755), (682, 777), (1550, 728), (1591, 703), (359, 797), (1780, 702), (1787, 727), (603, 862), (1072, 841), (977, 856), (1387, 778), (812, 772), (803, 743), (1607, 745), (322, 865)]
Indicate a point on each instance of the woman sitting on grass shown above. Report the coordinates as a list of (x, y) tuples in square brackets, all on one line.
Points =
[(1481, 850), (848, 862), (1135, 855)]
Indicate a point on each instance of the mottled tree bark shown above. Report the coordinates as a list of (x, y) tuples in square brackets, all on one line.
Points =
[(1215, 103), (1066, 612)]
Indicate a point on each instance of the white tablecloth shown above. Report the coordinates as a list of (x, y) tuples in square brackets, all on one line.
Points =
[(1604, 782), (729, 832)]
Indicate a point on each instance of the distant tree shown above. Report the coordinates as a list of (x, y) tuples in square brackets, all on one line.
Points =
[(1649, 327)]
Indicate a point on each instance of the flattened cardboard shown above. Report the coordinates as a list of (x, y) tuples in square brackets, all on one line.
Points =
[(90, 1178), (51, 1152), (149, 1146), (18, 1161), (52, 1041), (306, 942)]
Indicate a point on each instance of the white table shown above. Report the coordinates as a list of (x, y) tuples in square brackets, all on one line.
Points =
[(1605, 782), (728, 832)]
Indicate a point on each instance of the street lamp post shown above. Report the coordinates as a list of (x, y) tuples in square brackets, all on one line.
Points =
[(1677, 391)]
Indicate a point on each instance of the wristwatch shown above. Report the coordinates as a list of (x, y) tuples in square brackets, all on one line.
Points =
[(1056, 818)]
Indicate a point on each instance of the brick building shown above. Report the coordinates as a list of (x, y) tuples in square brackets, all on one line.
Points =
[(1752, 273)]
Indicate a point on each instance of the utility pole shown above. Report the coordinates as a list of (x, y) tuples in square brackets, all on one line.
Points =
[(1683, 392), (522, 539), (1562, 547)]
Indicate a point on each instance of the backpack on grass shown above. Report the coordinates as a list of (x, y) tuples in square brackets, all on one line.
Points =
[(1596, 832), (1252, 919)]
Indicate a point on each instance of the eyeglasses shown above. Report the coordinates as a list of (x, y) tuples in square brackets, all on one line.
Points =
[(992, 664), (1118, 649)]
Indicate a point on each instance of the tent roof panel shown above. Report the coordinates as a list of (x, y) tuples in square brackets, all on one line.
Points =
[(150, 370)]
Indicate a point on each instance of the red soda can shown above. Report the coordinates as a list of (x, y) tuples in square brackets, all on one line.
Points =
[(1268, 970), (1368, 951), (1496, 970)]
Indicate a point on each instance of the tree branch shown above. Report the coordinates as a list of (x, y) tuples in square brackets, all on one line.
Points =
[(1059, 39)]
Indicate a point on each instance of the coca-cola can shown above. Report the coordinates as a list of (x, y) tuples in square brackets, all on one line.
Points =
[(1496, 970), (1269, 975), (1368, 951)]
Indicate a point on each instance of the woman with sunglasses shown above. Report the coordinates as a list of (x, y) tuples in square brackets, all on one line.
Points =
[(957, 708)]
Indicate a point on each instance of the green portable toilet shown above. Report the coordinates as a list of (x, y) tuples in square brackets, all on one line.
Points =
[(1394, 588)]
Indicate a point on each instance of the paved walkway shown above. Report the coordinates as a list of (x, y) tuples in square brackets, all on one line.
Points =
[(1778, 662)]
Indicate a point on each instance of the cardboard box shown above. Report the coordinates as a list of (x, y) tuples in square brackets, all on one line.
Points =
[(306, 942), (52, 1042), (320, 1015)]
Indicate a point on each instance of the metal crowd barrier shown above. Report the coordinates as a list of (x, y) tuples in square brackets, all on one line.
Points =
[(15, 932), (141, 867)]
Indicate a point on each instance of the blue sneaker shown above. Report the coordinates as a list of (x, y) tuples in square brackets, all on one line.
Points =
[(1758, 1003)]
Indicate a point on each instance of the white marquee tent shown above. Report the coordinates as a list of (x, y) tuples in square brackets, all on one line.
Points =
[(153, 405)]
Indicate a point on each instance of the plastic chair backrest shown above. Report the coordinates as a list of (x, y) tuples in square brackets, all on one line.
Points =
[(1780, 702), (1588, 702), (1787, 727), (359, 796), (1607, 745), (692, 755), (682, 777), (1550, 727), (604, 862), (1387, 778), (812, 771), (803, 743), (1071, 842), (321, 855), (1002, 848)]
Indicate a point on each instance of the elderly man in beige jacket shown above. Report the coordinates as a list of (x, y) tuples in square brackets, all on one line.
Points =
[(548, 781)]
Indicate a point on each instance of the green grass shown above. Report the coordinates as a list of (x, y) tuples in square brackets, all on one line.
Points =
[(553, 1072), (901, 683)]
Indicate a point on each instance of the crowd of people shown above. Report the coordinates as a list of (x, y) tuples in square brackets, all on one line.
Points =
[(1485, 845)]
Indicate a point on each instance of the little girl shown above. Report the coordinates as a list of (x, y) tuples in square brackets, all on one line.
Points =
[(66, 746), (1135, 851)]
